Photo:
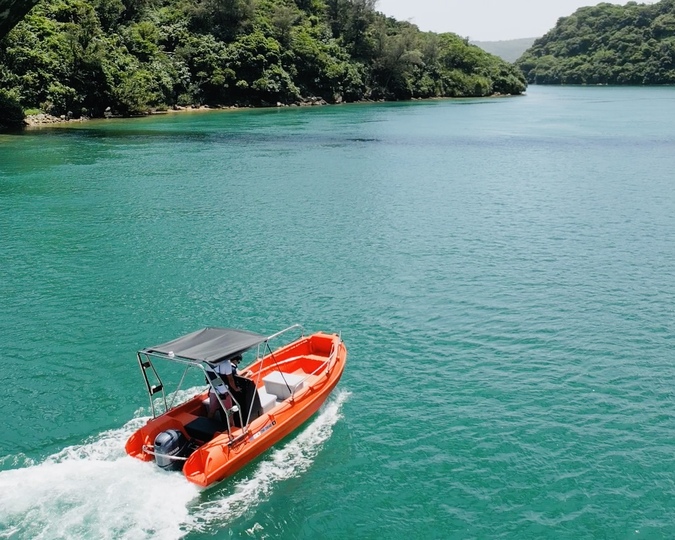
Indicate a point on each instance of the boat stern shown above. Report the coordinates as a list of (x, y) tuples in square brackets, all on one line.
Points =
[(135, 444)]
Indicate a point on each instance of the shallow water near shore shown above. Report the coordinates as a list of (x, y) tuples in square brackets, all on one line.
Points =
[(501, 271)]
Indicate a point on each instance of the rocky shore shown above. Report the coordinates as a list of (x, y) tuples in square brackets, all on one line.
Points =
[(44, 119)]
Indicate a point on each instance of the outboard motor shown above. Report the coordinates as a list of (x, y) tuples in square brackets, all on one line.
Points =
[(168, 444)]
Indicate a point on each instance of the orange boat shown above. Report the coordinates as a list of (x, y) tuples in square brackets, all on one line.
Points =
[(279, 391)]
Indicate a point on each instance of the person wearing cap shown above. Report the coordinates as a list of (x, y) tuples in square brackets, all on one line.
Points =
[(217, 375)]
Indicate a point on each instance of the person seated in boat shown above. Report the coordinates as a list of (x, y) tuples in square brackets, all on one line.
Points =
[(218, 374)]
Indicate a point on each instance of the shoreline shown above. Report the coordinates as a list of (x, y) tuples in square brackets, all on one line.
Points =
[(44, 119)]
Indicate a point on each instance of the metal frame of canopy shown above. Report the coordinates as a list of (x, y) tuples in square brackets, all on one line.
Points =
[(145, 356)]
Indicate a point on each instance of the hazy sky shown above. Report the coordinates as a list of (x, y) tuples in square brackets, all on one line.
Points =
[(485, 20)]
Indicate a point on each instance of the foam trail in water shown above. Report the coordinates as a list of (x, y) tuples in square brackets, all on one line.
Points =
[(15, 461), (95, 490), (294, 458)]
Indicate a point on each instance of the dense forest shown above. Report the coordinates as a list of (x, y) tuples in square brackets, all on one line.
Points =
[(83, 56), (607, 44)]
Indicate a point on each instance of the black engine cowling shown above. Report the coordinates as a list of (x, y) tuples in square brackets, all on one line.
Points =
[(168, 444)]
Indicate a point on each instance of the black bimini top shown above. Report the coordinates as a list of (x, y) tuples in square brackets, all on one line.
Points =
[(208, 345)]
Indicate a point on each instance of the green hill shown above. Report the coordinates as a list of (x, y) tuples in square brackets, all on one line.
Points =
[(509, 50), (607, 44), (82, 56)]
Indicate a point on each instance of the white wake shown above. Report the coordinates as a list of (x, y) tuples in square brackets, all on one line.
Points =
[(289, 461), (95, 490)]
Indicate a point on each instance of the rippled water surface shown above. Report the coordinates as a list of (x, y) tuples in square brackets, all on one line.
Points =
[(501, 270)]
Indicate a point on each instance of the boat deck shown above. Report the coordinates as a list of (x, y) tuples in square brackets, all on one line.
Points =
[(200, 428)]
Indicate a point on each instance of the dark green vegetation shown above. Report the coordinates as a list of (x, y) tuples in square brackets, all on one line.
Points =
[(11, 12), (607, 44), (11, 113), (509, 49), (134, 55)]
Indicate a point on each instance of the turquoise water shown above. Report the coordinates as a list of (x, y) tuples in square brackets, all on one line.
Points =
[(501, 271)]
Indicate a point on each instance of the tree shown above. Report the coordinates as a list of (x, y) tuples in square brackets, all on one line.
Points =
[(83, 56), (604, 44), (11, 112)]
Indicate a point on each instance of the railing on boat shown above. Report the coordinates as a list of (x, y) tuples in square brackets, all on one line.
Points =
[(332, 356), (154, 389), (159, 387), (145, 363)]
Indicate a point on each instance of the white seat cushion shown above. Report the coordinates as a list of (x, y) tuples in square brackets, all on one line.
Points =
[(278, 384), (267, 401)]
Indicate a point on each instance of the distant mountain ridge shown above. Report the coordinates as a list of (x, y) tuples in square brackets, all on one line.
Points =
[(509, 49)]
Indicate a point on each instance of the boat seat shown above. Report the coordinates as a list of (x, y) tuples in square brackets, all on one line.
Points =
[(267, 401), (279, 384)]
